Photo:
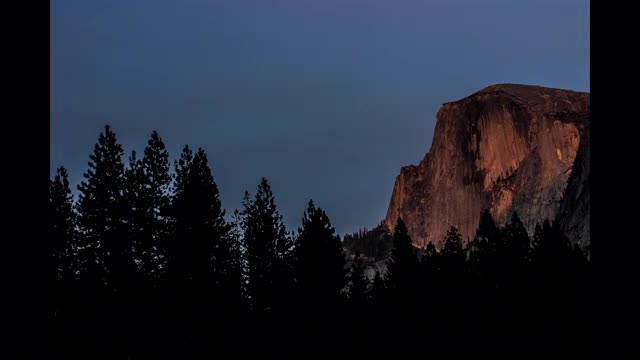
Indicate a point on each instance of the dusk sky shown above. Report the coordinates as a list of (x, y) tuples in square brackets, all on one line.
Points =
[(327, 99)]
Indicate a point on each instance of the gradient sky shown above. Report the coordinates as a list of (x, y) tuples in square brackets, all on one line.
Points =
[(327, 99)]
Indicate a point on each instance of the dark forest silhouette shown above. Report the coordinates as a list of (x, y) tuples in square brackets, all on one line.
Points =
[(144, 264)]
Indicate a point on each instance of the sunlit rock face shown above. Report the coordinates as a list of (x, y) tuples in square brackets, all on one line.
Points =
[(505, 148)]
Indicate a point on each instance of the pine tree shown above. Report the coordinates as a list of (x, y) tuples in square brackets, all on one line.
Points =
[(182, 168), (101, 215), (487, 229), (403, 263), (485, 248), (146, 193), (62, 233), (268, 248), (177, 270), (430, 265), (235, 274), (137, 220), (548, 244), (320, 266), (517, 250), (201, 232), (453, 257), (518, 239), (377, 290), (551, 254), (155, 165), (359, 282), (378, 282)]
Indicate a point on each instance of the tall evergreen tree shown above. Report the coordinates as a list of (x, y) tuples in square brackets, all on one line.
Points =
[(518, 239), (235, 275), (146, 193), (155, 165), (430, 265), (403, 263), (101, 214), (320, 266), (178, 250), (551, 254), (487, 229), (182, 167), (453, 257), (137, 217), (198, 246), (485, 249), (268, 247), (62, 234), (359, 282), (517, 250), (378, 283)]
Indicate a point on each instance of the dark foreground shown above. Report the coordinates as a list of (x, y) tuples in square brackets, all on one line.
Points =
[(159, 324)]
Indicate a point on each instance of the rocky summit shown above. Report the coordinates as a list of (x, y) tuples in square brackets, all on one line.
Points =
[(504, 148)]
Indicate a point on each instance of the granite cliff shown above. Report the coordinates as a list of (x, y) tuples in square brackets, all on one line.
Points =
[(504, 148)]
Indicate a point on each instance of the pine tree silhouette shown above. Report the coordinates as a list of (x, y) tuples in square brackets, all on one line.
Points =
[(453, 258), (137, 216), (179, 249), (62, 234), (377, 287), (516, 252), (101, 215), (235, 264), (201, 231), (551, 255), (359, 282), (403, 264), (430, 265), (268, 248), (484, 250), (320, 269), (155, 164)]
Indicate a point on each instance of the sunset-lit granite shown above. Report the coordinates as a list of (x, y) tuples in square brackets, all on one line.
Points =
[(507, 148)]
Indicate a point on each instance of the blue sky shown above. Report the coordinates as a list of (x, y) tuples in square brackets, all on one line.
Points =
[(326, 99)]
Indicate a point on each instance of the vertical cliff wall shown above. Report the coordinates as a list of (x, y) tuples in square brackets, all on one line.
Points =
[(505, 148)]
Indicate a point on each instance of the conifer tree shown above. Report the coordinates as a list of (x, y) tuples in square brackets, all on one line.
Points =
[(199, 246), (101, 215), (268, 248), (320, 260), (137, 220), (517, 250), (453, 257), (377, 289), (551, 254), (430, 265), (485, 249), (359, 282), (62, 234), (403, 263), (487, 229), (155, 165), (177, 270), (235, 275), (518, 239)]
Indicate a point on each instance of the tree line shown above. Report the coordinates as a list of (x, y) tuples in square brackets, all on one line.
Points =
[(497, 257), (145, 264), (375, 243)]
